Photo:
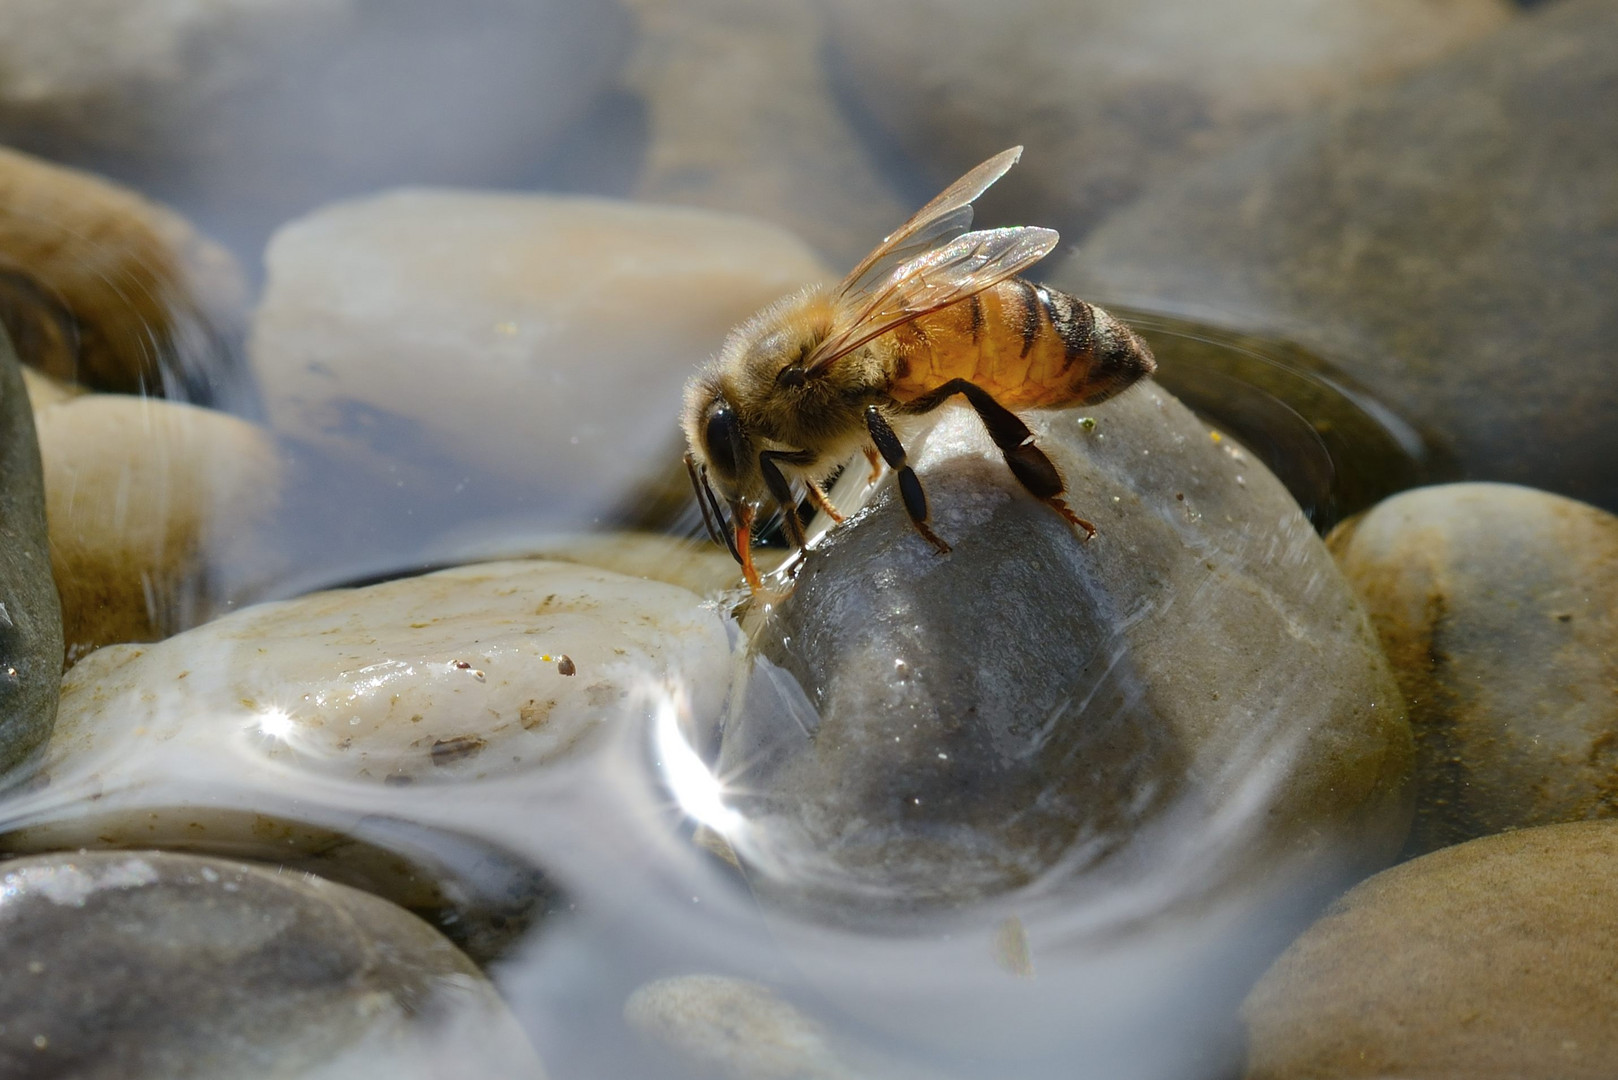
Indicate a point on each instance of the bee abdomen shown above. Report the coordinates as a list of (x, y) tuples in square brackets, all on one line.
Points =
[(1029, 345)]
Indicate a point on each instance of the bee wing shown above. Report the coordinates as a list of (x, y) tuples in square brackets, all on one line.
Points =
[(935, 279), (947, 216)]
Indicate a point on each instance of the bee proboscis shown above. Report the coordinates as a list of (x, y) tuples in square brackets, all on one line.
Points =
[(933, 312)]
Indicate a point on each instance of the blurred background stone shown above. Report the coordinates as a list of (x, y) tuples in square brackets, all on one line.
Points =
[(1498, 608), (149, 964), (1112, 96), (156, 511), (743, 117), (102, 287), (456, 359), (30, 618), (1449, 242), (244, 113), (1492, 958)]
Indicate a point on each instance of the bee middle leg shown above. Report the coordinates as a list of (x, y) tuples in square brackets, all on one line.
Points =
[(1027, 462), (893, 452)]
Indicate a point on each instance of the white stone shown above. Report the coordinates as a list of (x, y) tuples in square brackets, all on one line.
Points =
[(529, 350), (457, 675)]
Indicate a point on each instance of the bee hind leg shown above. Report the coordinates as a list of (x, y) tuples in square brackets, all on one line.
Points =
[(893, 452), (1027, 462)]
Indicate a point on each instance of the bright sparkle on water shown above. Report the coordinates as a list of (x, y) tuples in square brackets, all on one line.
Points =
[(275, 723), (695, 788)]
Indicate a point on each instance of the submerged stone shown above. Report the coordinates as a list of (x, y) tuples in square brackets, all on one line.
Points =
[(103, 287), (1112, 96), (30, 615), (1498, 608), (1449, 241), (248, 112), (137, 965)]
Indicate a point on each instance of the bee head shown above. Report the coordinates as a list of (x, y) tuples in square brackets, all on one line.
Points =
[(719, 441)]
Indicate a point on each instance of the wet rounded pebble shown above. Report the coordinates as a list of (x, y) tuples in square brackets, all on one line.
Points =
[(1492, 958), (136, 965), (1498, 607), (155, 509), (102, 287)]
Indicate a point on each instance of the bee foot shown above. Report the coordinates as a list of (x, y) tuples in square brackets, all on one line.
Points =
[(1061, 508)]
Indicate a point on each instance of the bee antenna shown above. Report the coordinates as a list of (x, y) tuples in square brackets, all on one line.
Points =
[(708, 503)]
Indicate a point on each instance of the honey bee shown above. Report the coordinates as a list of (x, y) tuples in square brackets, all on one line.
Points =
[(933, 312)]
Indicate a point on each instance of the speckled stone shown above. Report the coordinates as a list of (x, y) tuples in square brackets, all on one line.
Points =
[(921, 729), (1493, 958), (474, 672), (30, 618), (1448, 242), (136, 965), (103, 287), (1112, 96), (1498, 608), (156, 509)]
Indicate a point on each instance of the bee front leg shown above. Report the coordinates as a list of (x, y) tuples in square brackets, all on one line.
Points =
[(893, 452), (781, 489)]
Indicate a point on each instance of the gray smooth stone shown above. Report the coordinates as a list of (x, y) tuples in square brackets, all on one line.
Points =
[(1450, 242), (30, 615), (135, 965), (920, 731)]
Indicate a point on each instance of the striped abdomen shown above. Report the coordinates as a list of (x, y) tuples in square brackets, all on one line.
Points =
[(1028, 345)]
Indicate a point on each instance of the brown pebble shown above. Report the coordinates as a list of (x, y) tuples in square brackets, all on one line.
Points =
[(565, 666)]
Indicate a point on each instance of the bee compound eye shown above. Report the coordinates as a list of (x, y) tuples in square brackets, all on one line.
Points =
[(722, 435)]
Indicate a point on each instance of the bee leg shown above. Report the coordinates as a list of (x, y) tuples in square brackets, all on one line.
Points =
[(876, 464), (1027, 462), (781, 492), (893, 452), (823, 504)]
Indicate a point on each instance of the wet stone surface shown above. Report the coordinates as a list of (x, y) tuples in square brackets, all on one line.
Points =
[(156, 510), (99, 285), (921, 730), (1491, 958), (1449, 240), (1498, 608), (30, 615), (478, 671), (136, 965)]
